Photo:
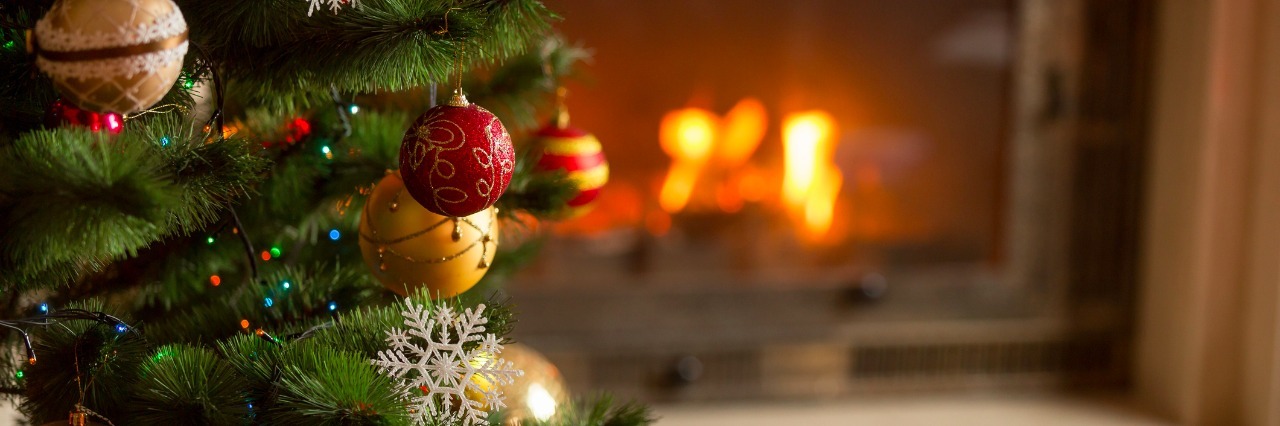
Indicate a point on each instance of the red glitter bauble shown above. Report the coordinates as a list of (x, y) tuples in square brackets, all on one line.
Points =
[(456, 160)]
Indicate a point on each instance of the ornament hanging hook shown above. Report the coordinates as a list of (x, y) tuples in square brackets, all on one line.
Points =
[(167, 108), (561, 119), (562, 108), (459, 99)]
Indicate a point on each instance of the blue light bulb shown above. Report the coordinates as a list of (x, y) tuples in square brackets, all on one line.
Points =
[(333, 306), (268, 302), (121, 328), (334, 234), (44, 308)]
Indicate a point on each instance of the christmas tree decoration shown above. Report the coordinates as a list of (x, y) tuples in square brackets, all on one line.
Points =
[(408, 247), (334, 5), (62, 113), (576, 152), (73, 421), (443, 356), (537, 394), (457, 158), (117, 56), (241, 260), (296, 130)]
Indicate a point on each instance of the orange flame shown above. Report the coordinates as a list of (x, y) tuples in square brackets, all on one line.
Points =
[(743, 131), (688, 136), (819, 209), (810, 183)]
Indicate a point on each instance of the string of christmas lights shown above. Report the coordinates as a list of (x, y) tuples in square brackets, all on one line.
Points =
[(51, 317)]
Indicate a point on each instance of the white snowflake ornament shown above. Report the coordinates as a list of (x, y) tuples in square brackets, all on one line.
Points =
[(437, 372), (334, 5)]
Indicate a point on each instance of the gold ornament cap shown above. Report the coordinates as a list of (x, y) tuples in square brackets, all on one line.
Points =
[(562, 109), (459, 99)]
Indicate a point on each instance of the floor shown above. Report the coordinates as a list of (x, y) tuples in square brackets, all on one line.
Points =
[(967, 410), (982, 410)]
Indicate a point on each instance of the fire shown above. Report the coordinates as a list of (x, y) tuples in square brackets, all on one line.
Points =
[(810, 183), (819, 209), (704, 147), (743, 131), (678, 187), (688, 136), (710, 164)]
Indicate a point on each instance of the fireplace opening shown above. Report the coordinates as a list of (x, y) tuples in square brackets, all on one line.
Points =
[(827, 197)]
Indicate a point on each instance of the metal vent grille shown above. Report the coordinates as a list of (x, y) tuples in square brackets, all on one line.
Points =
[(983, 358), (716, 375)]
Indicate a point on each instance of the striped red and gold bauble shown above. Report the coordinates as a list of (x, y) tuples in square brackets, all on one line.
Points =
[(579, 153)]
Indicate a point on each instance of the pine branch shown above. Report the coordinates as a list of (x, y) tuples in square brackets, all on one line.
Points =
[(105, 361), (544, 195), (24, 91), (188, 385), (306, 300), (522, 87), (321, 385), (281, 56), (72, 200)]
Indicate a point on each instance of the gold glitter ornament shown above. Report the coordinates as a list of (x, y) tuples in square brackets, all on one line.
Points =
[(118, 56), (73, 421), (536, 395), (408, 247), (79, 416)]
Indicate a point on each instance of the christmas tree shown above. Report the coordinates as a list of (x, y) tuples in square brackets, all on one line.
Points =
[(225, 212)]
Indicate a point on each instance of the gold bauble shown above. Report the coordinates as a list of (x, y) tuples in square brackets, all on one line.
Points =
[(538, 394), (112, 55), (70, 423), (408, 247), (76, 418)]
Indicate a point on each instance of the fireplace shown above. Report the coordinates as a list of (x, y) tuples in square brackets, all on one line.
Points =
[(829, 197)]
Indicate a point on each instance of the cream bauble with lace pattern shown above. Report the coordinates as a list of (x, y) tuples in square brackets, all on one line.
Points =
[(112, 55)]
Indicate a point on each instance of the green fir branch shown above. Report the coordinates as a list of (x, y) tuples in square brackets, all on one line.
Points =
[(82, 355), (281, 56), (72, 200), (320, 385), (188, 385)]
